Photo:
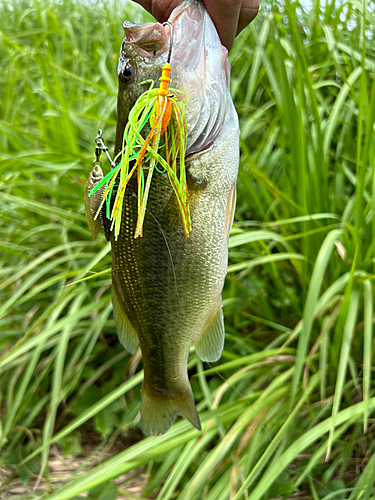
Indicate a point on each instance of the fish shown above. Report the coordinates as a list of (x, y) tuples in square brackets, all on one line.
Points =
[(166, 287)]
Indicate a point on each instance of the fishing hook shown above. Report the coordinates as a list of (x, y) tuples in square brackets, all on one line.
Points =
[(170, 40)]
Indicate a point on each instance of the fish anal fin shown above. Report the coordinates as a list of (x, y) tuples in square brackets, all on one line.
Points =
[(210, 343), (92, 202), (125, 330), (159, 412)]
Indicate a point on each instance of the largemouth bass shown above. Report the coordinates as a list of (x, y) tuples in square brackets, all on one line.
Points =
[(166, 289)]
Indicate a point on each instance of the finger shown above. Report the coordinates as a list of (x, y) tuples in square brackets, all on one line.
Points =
[(249, 11), (160, 9), (225, 16)]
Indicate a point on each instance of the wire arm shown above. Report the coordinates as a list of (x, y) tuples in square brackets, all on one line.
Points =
[(100, 146)]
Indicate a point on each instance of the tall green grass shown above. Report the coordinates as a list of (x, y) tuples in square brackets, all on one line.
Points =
[(289, 408)]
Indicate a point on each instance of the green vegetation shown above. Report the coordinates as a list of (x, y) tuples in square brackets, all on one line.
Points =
[(290, 406)]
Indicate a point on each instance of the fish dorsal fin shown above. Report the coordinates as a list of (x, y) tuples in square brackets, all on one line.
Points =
[(211, 341), (125, 330)]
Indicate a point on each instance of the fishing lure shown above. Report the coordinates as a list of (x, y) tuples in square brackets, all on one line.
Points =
[(162, 111)]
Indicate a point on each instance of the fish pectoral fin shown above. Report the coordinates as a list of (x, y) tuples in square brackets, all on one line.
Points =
[(159, 413), (92, 202), (210, 343), (125, 330)]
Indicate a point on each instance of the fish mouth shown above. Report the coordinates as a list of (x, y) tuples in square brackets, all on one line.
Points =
[(143, 43), (149, 40)]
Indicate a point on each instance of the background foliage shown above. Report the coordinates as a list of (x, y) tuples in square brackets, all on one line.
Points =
[(288, 410)]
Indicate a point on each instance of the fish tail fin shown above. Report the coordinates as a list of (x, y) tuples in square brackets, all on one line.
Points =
[(159, 411)]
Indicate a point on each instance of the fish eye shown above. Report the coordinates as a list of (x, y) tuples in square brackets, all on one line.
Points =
[(126, 73)]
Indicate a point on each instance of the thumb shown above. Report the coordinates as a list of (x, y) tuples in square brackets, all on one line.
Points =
[(160, 9)]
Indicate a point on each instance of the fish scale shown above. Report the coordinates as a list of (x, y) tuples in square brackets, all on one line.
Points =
[(166, 287)]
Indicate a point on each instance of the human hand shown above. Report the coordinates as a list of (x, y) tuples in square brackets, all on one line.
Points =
[(229, 16)]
